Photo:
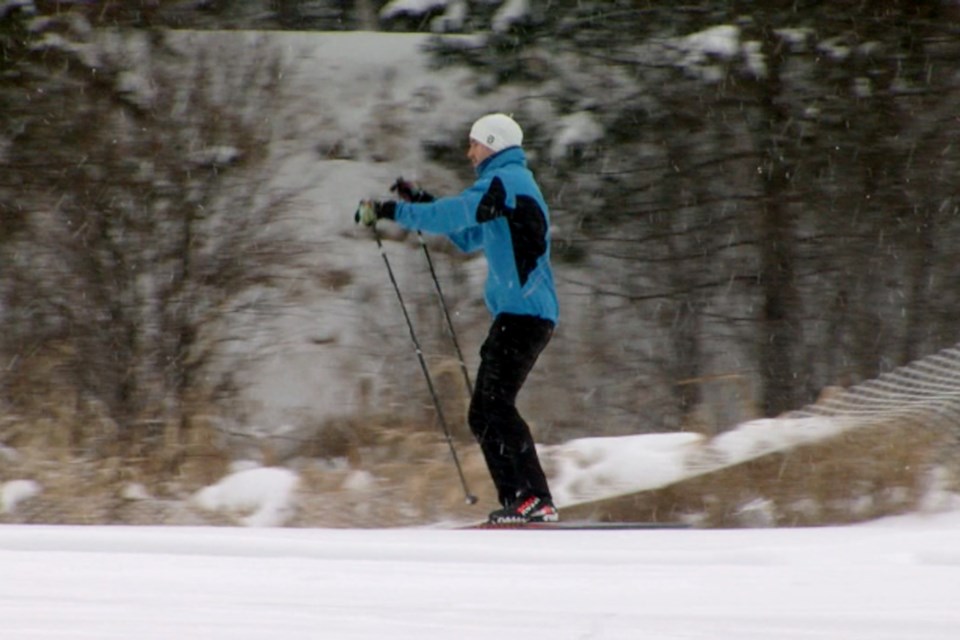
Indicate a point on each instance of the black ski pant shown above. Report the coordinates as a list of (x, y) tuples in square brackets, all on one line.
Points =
[(506, 357)]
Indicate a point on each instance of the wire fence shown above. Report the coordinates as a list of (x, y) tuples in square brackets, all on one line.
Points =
[(926, 390)]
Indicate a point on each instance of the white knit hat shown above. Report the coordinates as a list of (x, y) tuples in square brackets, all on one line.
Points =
[(497, 131)]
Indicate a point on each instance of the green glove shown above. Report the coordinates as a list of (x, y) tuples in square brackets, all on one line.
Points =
[(369, 211), (366, 214)]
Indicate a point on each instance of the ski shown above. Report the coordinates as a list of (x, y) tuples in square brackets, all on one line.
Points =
[(578, 525)]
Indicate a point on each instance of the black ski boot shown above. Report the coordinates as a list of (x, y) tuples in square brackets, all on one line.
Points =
[(526, 508)]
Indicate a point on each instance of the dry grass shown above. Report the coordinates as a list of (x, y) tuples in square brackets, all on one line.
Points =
[(86, 467), (406, 477), (381, 471), (866, 473)]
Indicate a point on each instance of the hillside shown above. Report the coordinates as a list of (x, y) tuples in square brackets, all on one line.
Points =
[(333, 414)]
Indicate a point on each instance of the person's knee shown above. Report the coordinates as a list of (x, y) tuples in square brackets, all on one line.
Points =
[(488, 412), (476, 418)]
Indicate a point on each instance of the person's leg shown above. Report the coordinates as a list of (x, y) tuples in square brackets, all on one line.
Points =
[(506, 358)]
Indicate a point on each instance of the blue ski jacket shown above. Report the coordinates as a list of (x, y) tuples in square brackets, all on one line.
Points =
[(504, 214)]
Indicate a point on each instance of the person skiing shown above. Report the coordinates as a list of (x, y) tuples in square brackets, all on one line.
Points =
[(505, 215)]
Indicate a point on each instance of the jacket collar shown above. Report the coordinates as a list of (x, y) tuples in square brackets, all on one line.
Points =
[(510, 155)]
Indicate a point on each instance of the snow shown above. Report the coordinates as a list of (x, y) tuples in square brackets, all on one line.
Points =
[(581, 470), (16, 491), (135, 491), (576, 129), (359, 109), (396, 8), (722, 41), (265, 492), (510, 13), (593, 468), (889, 580)]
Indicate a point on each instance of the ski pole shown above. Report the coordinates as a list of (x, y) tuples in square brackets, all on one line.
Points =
[(446, 314), (470, 498), (410, 193)]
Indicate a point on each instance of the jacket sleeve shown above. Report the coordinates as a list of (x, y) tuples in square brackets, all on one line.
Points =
[(467, 240), (450, 216)]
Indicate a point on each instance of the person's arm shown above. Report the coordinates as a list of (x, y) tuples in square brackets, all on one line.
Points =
[(457, 217), (450, 216), (467, 240)]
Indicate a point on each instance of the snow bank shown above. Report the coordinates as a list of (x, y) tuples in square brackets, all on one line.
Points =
[(265, 492), (16, 491), (589, 469), (592, 468)]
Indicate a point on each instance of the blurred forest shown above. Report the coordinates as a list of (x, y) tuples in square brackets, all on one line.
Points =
[(774, 217)]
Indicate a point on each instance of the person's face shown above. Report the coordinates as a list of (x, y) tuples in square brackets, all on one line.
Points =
[(477, 152)]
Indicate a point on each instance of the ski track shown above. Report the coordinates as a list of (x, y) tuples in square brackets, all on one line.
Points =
[(876, 582)]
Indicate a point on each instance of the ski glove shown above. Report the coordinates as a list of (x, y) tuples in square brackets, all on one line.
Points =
[(369, 211), (410, 191)]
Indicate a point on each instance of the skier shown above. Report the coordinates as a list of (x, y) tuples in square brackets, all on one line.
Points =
[(504, 214)]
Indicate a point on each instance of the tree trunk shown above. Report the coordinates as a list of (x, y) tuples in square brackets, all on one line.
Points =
[(779, 324)]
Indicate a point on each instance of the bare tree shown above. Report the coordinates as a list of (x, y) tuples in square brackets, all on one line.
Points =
[(151, 222), (780, 207)]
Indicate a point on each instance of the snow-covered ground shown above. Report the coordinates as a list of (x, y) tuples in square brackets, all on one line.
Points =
[(897, 578), (894, 579), (891, 580)]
